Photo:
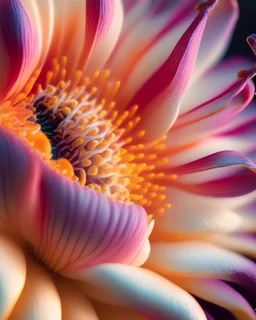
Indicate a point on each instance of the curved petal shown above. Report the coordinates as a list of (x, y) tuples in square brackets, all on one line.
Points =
[(210, 117), (67, 30), (201, 260), (12, 275), (74, 304), (218, 293), (87, 36), (213, 166), (167, 85), (238, 183), (39, 299), (19, 51), (242, 243), (213, 82), (42, 15), (145, 27), (197, 217), (69, 226), (217, 35), (140, 290), (104, 19)]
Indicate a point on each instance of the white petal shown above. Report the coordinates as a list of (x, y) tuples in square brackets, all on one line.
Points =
[(140, 290)]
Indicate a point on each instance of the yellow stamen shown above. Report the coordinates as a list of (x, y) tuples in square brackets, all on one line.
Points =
[(88, 139)]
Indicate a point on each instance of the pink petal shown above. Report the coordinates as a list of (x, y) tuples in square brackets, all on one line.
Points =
[(19, 47), (140, 290), (219, 293), (41, 13), (240, 182), (69, 226), (104, 20), (213, 82), (211, 116), (167, 85), (220, 159), (144, 28), (217, 35)]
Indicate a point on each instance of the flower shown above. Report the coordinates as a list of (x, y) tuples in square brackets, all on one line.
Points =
[(126, 163)]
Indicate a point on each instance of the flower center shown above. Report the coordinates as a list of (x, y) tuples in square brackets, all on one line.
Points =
[(77, 128)]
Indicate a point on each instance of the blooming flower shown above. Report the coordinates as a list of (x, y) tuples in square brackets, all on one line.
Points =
[(120, 197)]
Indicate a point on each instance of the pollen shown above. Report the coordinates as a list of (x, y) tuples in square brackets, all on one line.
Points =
[(79, 131)]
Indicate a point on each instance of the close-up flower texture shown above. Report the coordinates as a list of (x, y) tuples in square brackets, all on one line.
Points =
[(127, 161)]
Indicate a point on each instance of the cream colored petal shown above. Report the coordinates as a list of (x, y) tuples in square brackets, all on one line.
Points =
[(220, 294), (140, 290), (39, 299), (42, 14), (201, 260), (12, 275), (75, 305), (196, 216)]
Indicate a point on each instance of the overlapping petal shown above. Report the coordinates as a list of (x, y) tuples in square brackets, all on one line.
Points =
[(39, 299), (218, 293), (217, 35), (140, 290), (202, 260), (19, 51), (195, 216), (12, 275), (69, 226), (160, 96), (209, 117), (74, 303)]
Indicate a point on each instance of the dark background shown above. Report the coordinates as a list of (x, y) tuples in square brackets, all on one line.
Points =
[(246, 26)]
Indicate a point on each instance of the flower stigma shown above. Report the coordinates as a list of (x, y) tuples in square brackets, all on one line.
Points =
[(76, 127)]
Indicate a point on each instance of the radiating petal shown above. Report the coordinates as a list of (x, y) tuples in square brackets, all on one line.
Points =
[(213, 83), (238, 183), (202, 260), (242, 243), (217, 35), (211, 116), (19, 51), (167, 85), (196, 217), (74, 304), (140, 290), (218, 293), (41, 13), (218, 165), (12, 275), (67, 29), (104, 19), (39, 299), (150, 32), (69, 226)]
